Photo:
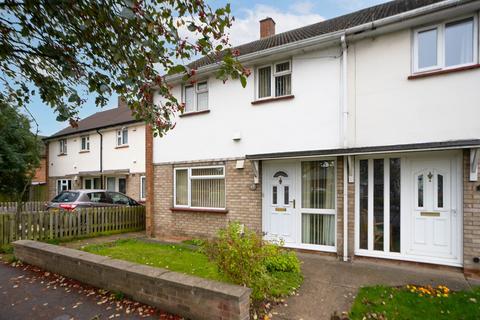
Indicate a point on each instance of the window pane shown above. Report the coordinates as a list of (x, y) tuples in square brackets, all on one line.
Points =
[(395, 205), (274, 195), (280, 67), (189, 97), (420, 190), (111, 184), (427, 48), (378, 187), (122, 185), (143, 187), (363, 204), (459, 42), (283, 85), (318, 229), (181, 187), (202, 101), (125, 136), (97, 183), (439, 191), (286, 195), (207, 172), (88, 184), (318, 184), (208, 193), (264, 82), (202, 86), (84, 144)]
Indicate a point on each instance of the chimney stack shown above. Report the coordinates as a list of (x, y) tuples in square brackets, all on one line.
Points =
[(121, 103), (267, 27)]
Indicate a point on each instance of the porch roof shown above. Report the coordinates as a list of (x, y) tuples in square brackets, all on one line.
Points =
[(411, 147)]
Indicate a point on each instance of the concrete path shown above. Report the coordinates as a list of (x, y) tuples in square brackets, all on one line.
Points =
[(331, 285)]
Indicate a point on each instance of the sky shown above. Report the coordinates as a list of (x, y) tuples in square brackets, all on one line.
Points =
[(288, 14)]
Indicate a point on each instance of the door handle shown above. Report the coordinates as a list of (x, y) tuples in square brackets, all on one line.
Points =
[(293, 203)]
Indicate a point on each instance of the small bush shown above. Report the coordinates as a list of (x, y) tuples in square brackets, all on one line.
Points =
[(242, 256), (6, 248), (194, 242)]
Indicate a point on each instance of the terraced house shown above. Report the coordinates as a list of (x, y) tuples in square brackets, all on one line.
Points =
[(356, 136), (105, 151)]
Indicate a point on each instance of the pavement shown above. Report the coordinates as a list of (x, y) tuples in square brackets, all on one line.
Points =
[(330, 285)]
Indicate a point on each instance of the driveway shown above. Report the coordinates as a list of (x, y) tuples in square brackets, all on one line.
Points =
[(29, 293), (331, 285)]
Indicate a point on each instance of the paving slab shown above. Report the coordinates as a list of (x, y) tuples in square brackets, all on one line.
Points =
[(331, 285)]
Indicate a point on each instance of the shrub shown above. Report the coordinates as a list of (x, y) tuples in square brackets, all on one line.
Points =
[(246, 259), (6, 248)]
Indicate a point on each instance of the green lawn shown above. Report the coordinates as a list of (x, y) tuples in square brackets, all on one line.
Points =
[(400, 303), (180, 258)]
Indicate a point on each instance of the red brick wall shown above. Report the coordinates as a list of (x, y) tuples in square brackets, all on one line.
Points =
[(243, 204)]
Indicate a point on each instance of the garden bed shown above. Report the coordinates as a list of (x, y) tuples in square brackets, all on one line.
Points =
[(414, 302)]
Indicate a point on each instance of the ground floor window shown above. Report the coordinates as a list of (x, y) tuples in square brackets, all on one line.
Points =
[(143, 185), (92, 183), (379, 204), (117, 184), (318, 202), (199, 187), (63, 184)]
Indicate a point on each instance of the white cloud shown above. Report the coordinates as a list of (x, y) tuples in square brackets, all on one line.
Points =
[(246, 26)]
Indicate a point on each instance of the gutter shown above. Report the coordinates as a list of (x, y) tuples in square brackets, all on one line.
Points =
[(334, 36), (101, 158)]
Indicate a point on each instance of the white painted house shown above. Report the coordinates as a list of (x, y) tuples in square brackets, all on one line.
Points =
[(105, 151), (357, 135)]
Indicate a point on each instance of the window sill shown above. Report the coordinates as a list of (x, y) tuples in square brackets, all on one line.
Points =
[(194, 113), (84, 151), (444, 71), (199, 210), (121, 147), (273, 99), (61, 154)]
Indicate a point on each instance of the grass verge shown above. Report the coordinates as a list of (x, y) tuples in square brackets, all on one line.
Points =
[(382, 302)]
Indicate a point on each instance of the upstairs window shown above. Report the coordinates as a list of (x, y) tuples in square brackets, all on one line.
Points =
[(63, 146), (274, 80), (447, 45), (85, 143), (122, 137), (196, 97)]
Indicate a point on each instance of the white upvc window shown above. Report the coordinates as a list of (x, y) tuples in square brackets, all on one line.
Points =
[(63, 146), (451, 44), (85, 143), (143, 188), (199, 187), (274, 80), (63, 185), (122, 137), (195, 97)]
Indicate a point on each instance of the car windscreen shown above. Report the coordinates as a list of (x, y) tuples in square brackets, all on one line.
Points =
[(66, 196)]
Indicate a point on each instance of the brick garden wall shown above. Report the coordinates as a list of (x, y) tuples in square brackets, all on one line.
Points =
[(178, 293), (471, 219), (243, 204)]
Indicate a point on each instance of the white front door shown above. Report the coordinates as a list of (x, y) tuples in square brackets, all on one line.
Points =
[(280, 200), (433, 215)]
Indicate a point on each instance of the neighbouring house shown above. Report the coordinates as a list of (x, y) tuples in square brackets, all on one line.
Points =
[(356, 136), (38, 190), (105, 151)]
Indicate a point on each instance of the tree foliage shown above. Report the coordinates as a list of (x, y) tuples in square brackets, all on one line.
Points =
[(66, 49), (19, 152)]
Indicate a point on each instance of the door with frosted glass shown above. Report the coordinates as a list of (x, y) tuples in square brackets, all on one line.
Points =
[(432, 209), (318, 213), (281, 203)]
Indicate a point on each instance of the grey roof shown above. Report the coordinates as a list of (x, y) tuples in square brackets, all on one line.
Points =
[(103, 119), (328, 26), (436, 145)]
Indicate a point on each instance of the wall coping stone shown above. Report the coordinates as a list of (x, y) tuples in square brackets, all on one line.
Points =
[(204, 298)]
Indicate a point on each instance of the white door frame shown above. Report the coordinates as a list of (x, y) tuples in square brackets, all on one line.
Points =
[(267, 171), (406, 197)]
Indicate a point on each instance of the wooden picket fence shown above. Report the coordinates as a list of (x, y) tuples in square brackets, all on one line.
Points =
[(28, 206), (48, 225)]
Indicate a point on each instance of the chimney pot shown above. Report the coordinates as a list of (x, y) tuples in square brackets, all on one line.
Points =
[(121, 102), (267, 27)]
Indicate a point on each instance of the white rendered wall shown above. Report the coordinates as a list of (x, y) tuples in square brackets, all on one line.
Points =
[(310, 121)]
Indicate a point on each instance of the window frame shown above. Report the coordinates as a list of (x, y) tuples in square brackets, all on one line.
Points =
[(63, 182), (143, 182), (63, 146), (441, 54), (189, 186), (196, 92), (273, 75), (87, 143), (119, 135)]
